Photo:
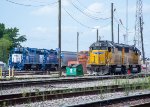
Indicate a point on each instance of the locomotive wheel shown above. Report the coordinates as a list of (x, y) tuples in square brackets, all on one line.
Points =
[(56, 68), (103, 70), (89, 71), (112, 70), (123, 70)]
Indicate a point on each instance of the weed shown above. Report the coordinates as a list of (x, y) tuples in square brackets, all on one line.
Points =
[(127, 89), (4, 104), (37, 91), (101, 93), (24, 93)]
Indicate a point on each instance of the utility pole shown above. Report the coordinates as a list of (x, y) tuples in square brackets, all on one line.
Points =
[(141, 31), (77, 44), (118, 33), (97, 35), (112, 21), (59, 36), (127, 21)]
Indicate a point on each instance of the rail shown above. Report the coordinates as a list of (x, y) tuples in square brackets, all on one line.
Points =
[(12, 84), (115, 101), (20, 98)]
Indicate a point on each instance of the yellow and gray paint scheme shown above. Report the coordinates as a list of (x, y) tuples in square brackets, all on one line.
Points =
[(106, 57)]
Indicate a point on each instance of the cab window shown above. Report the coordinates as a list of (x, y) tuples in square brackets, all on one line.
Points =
[(99, 48)]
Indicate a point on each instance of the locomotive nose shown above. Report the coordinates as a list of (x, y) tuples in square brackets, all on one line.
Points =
[(99, 57)]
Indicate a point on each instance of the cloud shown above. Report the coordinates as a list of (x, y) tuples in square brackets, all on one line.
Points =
[(46, 10), (42, 29), (132, 9), (96, 7), (98, 10), (65, 3), (69, 28), (41, 37), (146, 8), (38, 32), (103, 28)]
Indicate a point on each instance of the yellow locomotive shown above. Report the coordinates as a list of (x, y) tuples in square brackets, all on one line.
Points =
[(106, 57)]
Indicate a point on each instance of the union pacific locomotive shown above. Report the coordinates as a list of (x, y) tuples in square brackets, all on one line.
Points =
[(106, 57)]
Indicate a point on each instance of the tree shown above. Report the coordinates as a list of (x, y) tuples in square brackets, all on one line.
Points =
[(14, 37), (9, 38), (2, 29), (4, 49)]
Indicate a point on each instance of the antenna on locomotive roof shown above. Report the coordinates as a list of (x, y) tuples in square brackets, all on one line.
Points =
[(99, 38), (125, 38), (97, 34)]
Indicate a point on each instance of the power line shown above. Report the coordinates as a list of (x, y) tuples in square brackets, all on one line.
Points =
[(99, 28), (86, 7), (37, 1), (122, 30), (88, 15), (120, 22), (28, 5), (116, 20), (77, 20)]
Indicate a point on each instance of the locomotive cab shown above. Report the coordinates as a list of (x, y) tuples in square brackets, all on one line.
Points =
[(99, 57), (15, 58), (98, 54)]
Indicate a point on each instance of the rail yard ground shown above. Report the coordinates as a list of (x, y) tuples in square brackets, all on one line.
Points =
[(82, 100), (51, 91), (51, 57), (40, 74)]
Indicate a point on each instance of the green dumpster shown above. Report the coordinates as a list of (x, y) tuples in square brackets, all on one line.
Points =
[(74, 70)]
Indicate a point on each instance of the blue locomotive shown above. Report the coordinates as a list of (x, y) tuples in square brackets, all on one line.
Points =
[(25, 58)]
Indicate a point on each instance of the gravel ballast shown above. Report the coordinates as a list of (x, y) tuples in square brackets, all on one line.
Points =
[(84, 99), (50, 87)]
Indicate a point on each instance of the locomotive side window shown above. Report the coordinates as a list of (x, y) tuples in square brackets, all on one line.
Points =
[(113, 50), (109, 49), (119, 48), (126, 50), (55, 53), (51, 52), (136, 52)]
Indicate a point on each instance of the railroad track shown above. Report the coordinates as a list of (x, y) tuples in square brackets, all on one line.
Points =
[(147, 104), (6, 73), (25, 83), (20, 98), (115, 101)]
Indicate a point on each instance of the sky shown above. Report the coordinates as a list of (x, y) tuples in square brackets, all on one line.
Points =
[(38, 20)]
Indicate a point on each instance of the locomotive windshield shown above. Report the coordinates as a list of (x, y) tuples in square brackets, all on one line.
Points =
[(53, 53), (99, 46)]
